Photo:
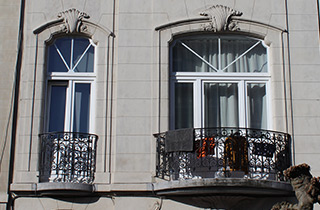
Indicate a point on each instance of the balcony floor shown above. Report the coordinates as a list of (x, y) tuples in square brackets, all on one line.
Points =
[(226, 193), (220, 186)]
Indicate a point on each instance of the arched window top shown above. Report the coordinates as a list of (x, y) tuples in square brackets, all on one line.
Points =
[(213, 53), (71, 55)]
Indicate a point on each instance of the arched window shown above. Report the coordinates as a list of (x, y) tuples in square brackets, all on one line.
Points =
[(218, 81), (70, 73)]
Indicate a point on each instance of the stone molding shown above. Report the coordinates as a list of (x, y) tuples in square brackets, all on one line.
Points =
[(72, 19), (220, 17)]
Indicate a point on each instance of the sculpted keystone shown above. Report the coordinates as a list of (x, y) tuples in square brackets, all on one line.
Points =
[(72, 19), (220, 17)]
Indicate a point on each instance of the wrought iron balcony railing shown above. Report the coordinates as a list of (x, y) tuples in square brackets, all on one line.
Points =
[(223, 152), (68, 157)]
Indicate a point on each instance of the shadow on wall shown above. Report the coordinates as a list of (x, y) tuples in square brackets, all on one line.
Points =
[(79, 200), (230, 202)]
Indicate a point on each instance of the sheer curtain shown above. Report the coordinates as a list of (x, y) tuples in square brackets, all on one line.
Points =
[(221, 105), (257, 106), (244, 55), (186, 61), (249, 55)]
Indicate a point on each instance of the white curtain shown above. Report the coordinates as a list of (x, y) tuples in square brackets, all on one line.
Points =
[(186, 61), (249, 55), (248, 60), (221, 105), (257, 106)]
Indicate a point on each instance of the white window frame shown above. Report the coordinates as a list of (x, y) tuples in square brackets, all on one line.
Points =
[(71, 78), (218, 76)]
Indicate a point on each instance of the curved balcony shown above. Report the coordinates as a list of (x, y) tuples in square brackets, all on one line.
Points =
[(215, 167), (222, 153), (67, 161)]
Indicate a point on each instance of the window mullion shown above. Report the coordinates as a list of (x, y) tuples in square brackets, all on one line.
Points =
[(202, 111), (49, 91), (197, 103), (172, 105), (71, 57), (242, 104), (269, 106), (219, 54), (69, 107)]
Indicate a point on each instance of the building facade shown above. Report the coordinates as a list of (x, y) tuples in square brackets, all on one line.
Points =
[(170, 104)]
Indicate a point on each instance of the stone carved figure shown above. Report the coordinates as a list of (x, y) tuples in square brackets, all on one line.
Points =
[(73, 20), (306, 187), (220, 17)]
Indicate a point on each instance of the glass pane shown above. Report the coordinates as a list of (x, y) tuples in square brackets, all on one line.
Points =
[(257, 106), (86, 63), (81, 108), (253, 61), (221, 105), (57, 108), (186, 61), (55, 63), (183, 105)]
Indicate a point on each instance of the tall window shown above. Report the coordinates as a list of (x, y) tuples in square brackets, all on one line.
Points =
[(218, 81), (70, 82)]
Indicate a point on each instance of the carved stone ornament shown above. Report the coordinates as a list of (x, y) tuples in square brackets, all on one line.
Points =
[(306, 188), (220, 17), (72, 19)]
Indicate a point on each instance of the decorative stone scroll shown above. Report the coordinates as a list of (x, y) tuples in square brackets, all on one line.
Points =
[(306, 187), (72, 19), (220, 17)]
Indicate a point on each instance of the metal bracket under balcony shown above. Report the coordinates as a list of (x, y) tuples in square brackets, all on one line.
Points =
[(67, 161), (222, 153)]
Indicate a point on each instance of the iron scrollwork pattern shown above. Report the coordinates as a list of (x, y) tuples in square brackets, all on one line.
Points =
[(227, 152), (68, 157)]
